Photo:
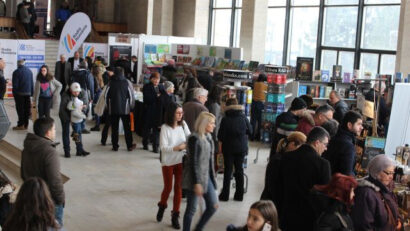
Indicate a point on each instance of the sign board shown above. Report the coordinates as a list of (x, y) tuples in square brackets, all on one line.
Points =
[(95, 49)]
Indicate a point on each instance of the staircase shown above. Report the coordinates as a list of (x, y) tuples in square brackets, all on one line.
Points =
[(10, 159), (51, 54)]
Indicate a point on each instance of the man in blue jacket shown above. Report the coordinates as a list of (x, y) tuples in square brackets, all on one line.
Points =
[(341, 152), (22, 91)]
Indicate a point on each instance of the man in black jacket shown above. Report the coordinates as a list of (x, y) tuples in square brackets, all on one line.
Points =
[(120, 101), (342, 153), (22, 91), (75, 61), (300, 170), (63, 72), (339, 105)]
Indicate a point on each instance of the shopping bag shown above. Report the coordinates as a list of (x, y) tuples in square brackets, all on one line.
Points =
[(90, 112), (132, 121)]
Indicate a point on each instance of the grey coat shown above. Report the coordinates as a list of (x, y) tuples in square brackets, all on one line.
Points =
[(199, 162), (55, 86)]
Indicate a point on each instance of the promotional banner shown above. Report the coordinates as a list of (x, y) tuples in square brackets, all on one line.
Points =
[(117, 52), (75, 31), (33, 51), (95, 49), (8, 52)]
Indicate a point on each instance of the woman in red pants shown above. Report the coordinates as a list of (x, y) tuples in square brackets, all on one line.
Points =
[(173, 136)]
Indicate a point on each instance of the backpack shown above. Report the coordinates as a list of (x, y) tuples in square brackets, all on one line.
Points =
[(81, 79), (45, 90)]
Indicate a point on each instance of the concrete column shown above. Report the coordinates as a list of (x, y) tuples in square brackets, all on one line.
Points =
[(139, 16), (191, 18), (253, 29), (403, 41), (162, 17)]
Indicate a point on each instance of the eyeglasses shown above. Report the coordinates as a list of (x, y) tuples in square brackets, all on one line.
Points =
[(388, 173), (179, 113), (326, 144)]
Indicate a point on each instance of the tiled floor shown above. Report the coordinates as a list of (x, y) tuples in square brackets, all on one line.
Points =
[(120, 190)]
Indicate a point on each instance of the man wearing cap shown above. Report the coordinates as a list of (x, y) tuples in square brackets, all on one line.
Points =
[(22, 91), (193, 108), (65, 117), (287, 122)]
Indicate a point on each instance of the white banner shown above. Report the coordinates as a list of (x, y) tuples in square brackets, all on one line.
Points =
[(8, 52), (33, 51), (95, 49), (75, 31)]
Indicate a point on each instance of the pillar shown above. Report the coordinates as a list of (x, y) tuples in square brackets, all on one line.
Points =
[(191, 18), (162, 17), (105, 11), (403, 43), (139, 16), (253, 29)]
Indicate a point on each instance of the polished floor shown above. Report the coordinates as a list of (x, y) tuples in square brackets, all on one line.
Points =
[(120, 190)]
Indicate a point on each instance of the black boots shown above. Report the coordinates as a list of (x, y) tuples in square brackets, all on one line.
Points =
[(175, 220), (160, 213)]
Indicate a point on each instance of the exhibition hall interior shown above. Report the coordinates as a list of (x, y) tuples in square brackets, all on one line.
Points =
[(237, 115)]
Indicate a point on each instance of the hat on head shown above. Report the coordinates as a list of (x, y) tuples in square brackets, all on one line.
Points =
[(168, 85), (297, 104), (75, 87)]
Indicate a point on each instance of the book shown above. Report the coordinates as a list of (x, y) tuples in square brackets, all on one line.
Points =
[(253, 65), (316, 76), (312, 90), (302, 90), (325, 76), (346, 77), (327, 91), (317, 91), (337, 73), (399, 77), (304, 68), (322, 92)]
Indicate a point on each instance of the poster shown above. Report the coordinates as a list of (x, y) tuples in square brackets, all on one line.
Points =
[(150, 49), (212, 51), (8, 52), (183, 49), (75, 31), (117, 52), (228, 54), (33, 51), (95, 49), (163, 49)]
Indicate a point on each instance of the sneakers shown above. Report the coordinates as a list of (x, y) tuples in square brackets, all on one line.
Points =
[(95, 129), (19, 128)]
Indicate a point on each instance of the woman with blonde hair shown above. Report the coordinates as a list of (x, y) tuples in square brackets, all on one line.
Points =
[(198, 173), (288, 144)]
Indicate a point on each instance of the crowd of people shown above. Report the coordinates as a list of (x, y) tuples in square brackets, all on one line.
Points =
[(310, 177)]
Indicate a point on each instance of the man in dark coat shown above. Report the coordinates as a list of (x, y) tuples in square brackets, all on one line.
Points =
[(3, 82), (339, 105), (126, 66), (22, 91), (63, 72), (233, 135), (341, 152), (120, 101), (152, 92), (39, 158), (300, 170), (287, 122), (75, 61)]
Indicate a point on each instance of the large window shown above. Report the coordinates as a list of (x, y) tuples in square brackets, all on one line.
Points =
[(225, 19), (357, 34)]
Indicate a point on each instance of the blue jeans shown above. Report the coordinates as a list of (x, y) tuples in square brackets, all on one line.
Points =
[(256, 118), (211, 201), (77, 128), (59, 212)]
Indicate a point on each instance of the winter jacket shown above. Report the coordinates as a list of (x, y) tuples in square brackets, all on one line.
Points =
[(55, 87), (341, 109), (3, 85), (198, 166), (66, 97), (191, 112), (86, 81), (300, 170), (234, 130), (63, 76), (75, 106), (120, 96), (341, 152), (331, 214), (153, 104), (22, 81), (271, 180), (369, 211), (205, 80), (306, 123), (285, 124), (63, 14), (40, 159)]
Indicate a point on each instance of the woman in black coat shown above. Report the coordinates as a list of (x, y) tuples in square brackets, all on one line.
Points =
[(152, 92), (233, 135), (332, 203)]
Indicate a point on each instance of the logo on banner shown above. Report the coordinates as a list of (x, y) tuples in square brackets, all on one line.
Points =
[(69, 43), (89, 51)]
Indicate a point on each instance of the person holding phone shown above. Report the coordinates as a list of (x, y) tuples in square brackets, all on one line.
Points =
[(262, 217)]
